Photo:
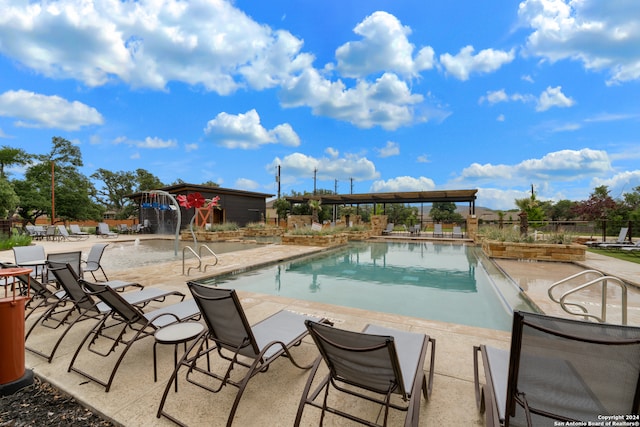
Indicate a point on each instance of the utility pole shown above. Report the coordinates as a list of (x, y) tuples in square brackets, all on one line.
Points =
[(53, 194), (315, 174), (278, 179)]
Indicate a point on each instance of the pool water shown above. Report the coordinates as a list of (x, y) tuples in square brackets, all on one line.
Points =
[(129, 254), (445, 282)]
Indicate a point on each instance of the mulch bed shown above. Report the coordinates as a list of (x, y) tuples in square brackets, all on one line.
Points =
[(42, 404)]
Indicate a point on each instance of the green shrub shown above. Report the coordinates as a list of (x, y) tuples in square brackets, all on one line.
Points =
[(8, 242)]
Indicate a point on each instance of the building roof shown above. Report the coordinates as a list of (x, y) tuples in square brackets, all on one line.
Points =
[(395, 197), (186, 188)]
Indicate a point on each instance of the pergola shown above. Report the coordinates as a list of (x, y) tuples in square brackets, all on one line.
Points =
[(456, 196)]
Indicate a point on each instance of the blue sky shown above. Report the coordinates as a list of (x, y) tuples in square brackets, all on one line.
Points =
[(376, 96)]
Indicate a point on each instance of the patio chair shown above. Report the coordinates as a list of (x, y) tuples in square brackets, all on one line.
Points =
[(76, 231), (73, 258), (457, 232), (389, 229), (378, 360), (51, 233), (92, 263), (33, 257), (437, 230), (66, 236), (231, 336), (41, 294), (75, 304), (559, 370), (104, 231), (122, 318)]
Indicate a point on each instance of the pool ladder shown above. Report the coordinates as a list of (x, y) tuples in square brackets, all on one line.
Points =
[(602, 281), (198, 256)]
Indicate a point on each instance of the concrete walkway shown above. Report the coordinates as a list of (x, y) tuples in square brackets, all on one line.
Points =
[(271, 398)]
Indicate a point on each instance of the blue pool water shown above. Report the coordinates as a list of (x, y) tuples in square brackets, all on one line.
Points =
[(445, 282)]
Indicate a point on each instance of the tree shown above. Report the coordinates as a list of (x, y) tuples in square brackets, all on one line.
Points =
[(10, 156), (599, 205), (117, 186), (531, 206), (445, 212), (9, 200), (72, 189), (282, 207), (147, 181), (562, 210), (315, 207)]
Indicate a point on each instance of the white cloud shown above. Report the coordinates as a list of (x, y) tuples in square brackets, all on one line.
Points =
[(3, 135), (553, 97), (423, 158), (332, 152), (42, 111), (500, 118), (499, 199), (384, 48), (403, 183), (148, 142), (388, 102), (190, 147), (603, 35), (328, 168), (246, 184), (462, 65), (245, 131), (149, 43), (564, 165), (623, 182), (390, 149)]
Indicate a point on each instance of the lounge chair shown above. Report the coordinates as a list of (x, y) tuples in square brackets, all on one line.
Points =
[(104, 231), (378, 360), (457, 232), (36, 232), (437, 230), (92, 263), (620, 242), (559, 370), (388, 230), (75, 305), (51, 233), (231, 336), (76, 231), (127, 318), (66, 236)]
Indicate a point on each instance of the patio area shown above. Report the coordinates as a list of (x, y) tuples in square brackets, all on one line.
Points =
[(272, 398)]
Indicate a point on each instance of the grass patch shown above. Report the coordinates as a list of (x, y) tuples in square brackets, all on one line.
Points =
[(613, 253)]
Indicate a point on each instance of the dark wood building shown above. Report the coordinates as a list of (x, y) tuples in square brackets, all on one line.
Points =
[(237, 206)]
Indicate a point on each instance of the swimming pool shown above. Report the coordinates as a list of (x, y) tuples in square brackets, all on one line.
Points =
[(446, 282)]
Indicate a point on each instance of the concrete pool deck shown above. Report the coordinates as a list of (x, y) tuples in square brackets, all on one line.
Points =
[(272, 398)]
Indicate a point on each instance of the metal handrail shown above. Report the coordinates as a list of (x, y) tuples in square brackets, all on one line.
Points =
[(190, 249), (604, 281), (211, 252), (567, 279)]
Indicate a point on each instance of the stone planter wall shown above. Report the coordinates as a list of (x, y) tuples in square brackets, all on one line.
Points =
[(212, 236), (315, 240), (263, 232), (533, 252), (358, 235)]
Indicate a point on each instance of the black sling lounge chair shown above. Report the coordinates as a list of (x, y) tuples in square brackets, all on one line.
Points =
[(559, 371), (130, 324), (378, 360), (231, 336), (73, 304)]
